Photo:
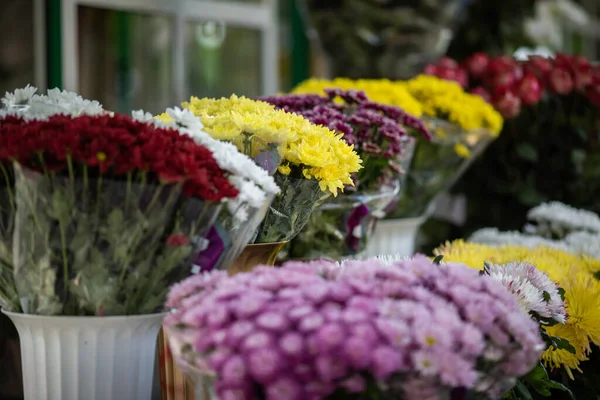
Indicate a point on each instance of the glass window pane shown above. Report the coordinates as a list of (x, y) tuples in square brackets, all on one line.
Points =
[(125, 59), (16, 44), (222, 59)]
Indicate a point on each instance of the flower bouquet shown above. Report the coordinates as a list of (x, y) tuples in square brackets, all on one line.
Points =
[(27, 104), (574, 274), (540, 298), (412, 330), (316, 161), (550, 137), (395, 39), (107, 212), (461, 126), (236, 227), (341, 226)]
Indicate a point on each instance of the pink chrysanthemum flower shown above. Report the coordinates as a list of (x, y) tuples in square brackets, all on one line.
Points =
[(534, 289)]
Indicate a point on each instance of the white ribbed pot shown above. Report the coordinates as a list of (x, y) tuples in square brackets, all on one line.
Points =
[(395, 237), (87, 358)]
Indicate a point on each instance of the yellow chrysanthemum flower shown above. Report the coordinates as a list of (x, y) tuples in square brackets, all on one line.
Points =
[(315, 150), (573, 273), (447, 100), (378, 90)]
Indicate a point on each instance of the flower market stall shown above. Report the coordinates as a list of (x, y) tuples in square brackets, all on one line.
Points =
[(251, 244)]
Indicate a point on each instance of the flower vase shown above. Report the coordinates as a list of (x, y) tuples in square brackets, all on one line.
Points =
[(256, 254), (175, 384), (395, 237), (343, 226), (74, 358)]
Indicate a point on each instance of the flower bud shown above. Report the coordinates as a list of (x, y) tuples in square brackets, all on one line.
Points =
[(477, 64), (480, 91), (560, 81), (447, 62), (530, 90), (508, 105)]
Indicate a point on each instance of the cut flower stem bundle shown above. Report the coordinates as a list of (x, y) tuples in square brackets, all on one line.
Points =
[(105, 222)]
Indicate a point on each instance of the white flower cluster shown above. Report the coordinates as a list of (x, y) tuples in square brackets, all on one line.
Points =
[(558, 219), (549, 19), (27, 104), (494, 237), (575, 231), (534, 290), (255, 185)]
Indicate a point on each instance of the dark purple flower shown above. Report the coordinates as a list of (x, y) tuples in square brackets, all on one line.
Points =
[(355, 220)]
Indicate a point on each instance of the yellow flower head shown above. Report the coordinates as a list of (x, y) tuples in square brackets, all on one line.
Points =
[(315, 151), (447, 100), (573, 273), (378, 90)]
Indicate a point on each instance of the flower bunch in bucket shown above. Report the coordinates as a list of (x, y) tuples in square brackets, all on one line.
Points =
[(314, 162), (551, 135), (412, 330), (382, 136), (461, 125), (235, 227), (28, 105), (108, 211)]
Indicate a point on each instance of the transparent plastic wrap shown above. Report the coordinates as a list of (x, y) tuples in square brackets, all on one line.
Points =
[(437, 165), (267, 152), (9, 300), (342, 226), (228, 237), (93, 246), (290, 210)]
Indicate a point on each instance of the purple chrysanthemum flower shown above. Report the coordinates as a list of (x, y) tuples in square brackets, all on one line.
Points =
[(312, 328)]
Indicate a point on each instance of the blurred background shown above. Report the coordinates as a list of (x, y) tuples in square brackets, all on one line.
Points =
[(152, 54), (149, 54)]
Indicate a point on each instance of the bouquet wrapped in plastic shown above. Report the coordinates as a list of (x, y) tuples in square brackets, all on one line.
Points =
[(28, 105), (236, 226), (412, 330), (551, 135), (381, 135), (316, 162), (109, 211), (461, 126)]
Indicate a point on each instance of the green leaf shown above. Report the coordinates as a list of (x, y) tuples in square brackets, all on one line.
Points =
[(546, 296), (527, 152), (563, 344), (522, 391), (438, 260)]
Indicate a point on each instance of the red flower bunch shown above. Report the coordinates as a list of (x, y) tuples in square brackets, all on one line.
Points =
[(510, 84), (114, 147)]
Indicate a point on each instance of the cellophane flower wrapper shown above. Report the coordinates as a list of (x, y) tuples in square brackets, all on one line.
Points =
[(9, 300), (437, 165), (341, 226), (100, 246), (290, 210), (228, 237), (267, 153)]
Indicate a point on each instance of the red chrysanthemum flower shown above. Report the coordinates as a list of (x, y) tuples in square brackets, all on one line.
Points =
[(114, 147)]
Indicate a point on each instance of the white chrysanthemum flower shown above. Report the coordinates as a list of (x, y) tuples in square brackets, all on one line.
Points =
[(29, 105), (494, 237), (584, 243), (19, 97), (558, 219), (253, 182), (534, 290)]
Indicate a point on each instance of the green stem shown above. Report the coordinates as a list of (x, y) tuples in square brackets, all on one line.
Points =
[(8, 187), (63, 239)]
